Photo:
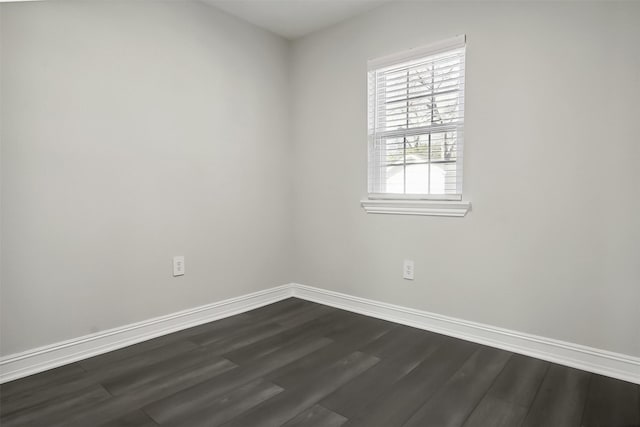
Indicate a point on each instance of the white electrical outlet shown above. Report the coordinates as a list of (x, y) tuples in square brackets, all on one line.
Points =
[(407, 269), (178, 265)]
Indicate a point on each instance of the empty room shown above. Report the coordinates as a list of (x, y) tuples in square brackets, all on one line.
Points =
[(374, 213)]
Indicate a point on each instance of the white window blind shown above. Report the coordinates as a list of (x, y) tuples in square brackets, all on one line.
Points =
[(416, 121)]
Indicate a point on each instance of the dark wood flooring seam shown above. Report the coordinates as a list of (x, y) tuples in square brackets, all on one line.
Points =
[(417, 409), (536, 394), (584, 410), (486, 392)]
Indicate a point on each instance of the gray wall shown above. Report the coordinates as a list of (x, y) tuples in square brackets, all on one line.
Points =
[(132, 132), (135, 131), (551, 166)]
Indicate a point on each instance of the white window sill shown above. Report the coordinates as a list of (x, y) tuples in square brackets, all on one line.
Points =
[(416, 207)]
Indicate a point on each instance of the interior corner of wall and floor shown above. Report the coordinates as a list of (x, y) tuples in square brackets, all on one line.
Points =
[(135, 131)]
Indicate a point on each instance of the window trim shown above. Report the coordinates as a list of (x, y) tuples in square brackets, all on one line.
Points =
[(416, 207), (414, 204), (426, 197), (417, 52)]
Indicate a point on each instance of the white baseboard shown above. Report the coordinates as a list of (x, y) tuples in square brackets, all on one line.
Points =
[(590, 359), (43, 358), (603, 362)]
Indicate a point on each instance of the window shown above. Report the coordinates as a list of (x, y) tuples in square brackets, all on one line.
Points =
[(416, 124)]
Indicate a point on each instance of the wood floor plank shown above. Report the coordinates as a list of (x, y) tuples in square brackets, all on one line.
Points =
[(229, 405), (360, 326), (301, 316), (350, 399), (117, 376), (258, 338), (218, 327), (143, 359), (495, 412), (33, 397), (561, 398), (399, 337), (222, 327), (154, 372), (196, 398), (279, 308), (41, 413), (238, 337), (397, 404), (453, 403), (611, 402), (321, 326), (304, 369), (507, 401), (520, 380), (136, 418), (119, 406), (266, 344), (286, 405), (316, 416), (51, 377)]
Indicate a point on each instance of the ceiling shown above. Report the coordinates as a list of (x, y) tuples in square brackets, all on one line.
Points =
[(294, 18)]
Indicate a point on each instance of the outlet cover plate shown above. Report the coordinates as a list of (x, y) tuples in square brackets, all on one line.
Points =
[(178, 265), (407, 269)]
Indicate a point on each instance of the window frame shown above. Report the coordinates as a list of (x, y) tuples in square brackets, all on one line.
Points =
[(413, 203)]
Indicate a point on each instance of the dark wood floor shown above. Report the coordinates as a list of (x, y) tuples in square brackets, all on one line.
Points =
[(296, 363)]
